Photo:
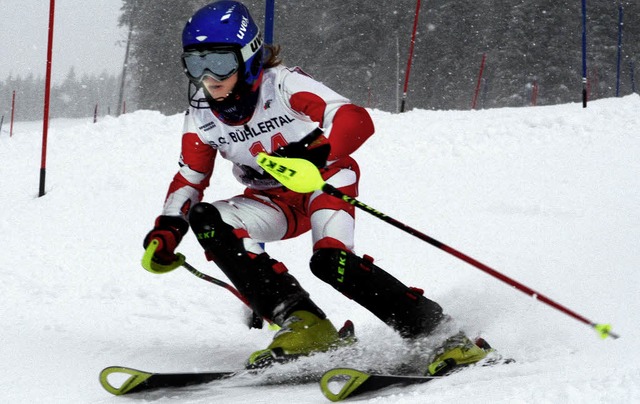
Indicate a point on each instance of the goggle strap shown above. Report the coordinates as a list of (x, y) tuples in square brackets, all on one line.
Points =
[(251, 48)]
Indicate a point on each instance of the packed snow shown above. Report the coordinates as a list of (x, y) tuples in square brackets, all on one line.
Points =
[(549, 196)]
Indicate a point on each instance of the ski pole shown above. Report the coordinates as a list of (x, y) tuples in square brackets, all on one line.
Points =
[(154, 267), (215, 281), (256, 320), (302, 176)]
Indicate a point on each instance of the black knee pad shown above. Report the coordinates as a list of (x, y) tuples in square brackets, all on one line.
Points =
[(264, 282), (404, 308), (204, 213)]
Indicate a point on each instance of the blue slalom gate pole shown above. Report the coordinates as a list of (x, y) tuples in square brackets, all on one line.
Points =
[(620, 14), (268, 21), (584, 53), (269, 14)]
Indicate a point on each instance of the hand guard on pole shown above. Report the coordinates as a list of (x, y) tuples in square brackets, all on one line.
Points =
[(161, 242)]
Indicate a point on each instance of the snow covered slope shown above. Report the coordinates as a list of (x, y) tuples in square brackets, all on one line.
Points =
[(549, 196)]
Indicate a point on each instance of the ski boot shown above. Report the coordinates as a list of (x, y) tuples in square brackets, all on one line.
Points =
[(457, 351), (303, 333)]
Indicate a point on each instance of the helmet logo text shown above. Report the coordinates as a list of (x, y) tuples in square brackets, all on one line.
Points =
[(243, 27), (227, 15), (255, 44)]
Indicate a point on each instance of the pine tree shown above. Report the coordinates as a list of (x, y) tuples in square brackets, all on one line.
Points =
[(360, 48)]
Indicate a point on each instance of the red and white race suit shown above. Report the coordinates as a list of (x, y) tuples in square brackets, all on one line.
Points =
[(290, 105)]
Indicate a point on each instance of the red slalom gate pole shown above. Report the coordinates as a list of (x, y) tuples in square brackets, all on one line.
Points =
[(475, 95), (47, 97), (13, 110), (534, 94), (413, 42)]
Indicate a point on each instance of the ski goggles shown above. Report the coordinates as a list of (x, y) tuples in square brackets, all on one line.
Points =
[(217, 64)]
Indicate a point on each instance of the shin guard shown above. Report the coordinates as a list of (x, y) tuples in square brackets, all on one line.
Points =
[(271, 291), (403, 308)]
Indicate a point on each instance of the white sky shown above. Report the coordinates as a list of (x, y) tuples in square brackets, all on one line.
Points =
[(86, 35)]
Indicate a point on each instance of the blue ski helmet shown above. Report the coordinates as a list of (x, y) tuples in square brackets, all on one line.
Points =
[(226, 25)]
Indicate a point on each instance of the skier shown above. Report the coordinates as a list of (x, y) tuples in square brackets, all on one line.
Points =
[(243, 101)]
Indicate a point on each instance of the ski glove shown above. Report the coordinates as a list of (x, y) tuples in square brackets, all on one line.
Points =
[(314, 147), (169, 231)]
